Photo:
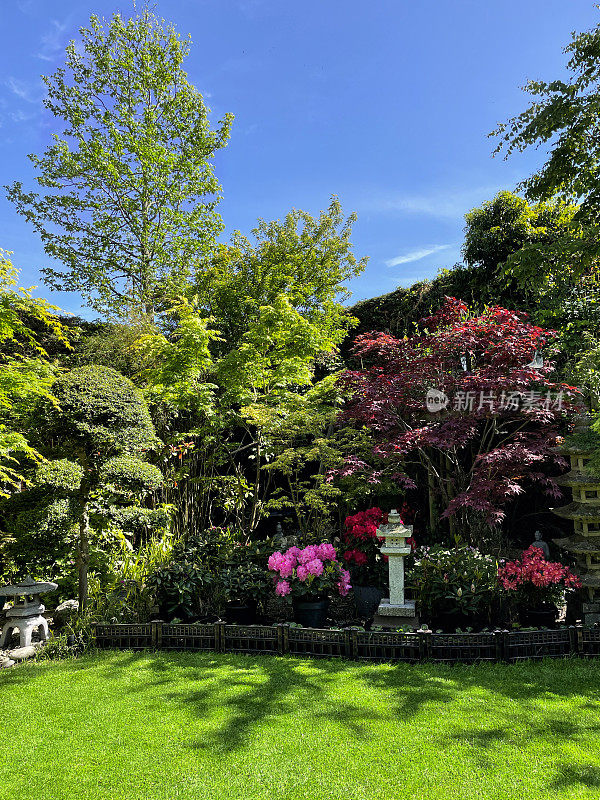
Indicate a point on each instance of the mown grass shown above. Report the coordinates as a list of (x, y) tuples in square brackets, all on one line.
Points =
[(180, 725)]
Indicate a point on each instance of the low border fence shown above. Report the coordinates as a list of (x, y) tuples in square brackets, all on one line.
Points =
[(350, 643)]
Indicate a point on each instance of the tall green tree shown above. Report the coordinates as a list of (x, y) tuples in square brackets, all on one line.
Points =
[(504, 225), (129, 190), (307, 258), (563, 115)]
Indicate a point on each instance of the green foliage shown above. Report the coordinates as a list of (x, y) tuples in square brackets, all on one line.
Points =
[(304, 446), (110, 345), (563, 115), (131, 188), (180, 587), (243, 582), (61, 475), (460, 580), (102, 422), (181, 363), (124, 593), (207, 569), (26, 373), (303, 258), (141, 523), (99, 411), (506, 224), (39, 532), (128, 475)]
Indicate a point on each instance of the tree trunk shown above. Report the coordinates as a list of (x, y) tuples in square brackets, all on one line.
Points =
[(83, 557), (433, 517)]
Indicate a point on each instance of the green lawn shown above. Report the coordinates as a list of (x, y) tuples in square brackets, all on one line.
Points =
[(181, 725)]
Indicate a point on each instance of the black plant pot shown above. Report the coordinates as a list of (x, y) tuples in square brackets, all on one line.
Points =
[(449, 621), (543, 616), (310, 613), (241, 613), (367, 599)]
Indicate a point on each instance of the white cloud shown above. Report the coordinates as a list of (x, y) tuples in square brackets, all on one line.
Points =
[(450, 204), (21, 116), (416, 255), (52, 43), (25, 90)]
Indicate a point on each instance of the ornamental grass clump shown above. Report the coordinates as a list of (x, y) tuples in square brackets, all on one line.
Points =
[(313, 572), (533, 582)]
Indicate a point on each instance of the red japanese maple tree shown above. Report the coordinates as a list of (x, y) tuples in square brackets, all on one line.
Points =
[(495, 413)]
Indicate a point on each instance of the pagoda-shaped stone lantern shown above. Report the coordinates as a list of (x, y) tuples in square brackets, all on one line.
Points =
[(26, 614), (395, 611), (584, 512)]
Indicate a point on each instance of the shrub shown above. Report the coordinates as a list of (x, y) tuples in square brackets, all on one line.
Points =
[(311, 572), (180, 587), (130, 475), (61, 475), (459, 580), (532, 581), (244, 581)]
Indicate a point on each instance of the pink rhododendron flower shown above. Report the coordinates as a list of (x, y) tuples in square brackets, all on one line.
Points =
[(285, 567), (326, 551), (292, 553), (274, 560), (308, 554), (302, 572), (283, 588), (315, 567)]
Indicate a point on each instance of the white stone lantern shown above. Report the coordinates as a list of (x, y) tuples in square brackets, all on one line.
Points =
[(26, 615), (395, 610)]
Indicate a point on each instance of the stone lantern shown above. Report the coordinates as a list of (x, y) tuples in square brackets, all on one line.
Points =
[(26, 614), (395, 611)]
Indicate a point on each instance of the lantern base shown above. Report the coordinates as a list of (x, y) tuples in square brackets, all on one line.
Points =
[(392, 615)]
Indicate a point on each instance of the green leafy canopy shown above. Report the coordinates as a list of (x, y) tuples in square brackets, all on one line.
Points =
[(131, 197)]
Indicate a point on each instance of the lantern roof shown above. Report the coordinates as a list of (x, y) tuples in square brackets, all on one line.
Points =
[(28, 586)]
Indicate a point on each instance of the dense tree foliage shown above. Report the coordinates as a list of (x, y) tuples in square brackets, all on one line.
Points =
[(496, 420), (130, 206), (26, 372), (95, 437)]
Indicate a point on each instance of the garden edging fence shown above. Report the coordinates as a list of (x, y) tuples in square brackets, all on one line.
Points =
[(352, 643)]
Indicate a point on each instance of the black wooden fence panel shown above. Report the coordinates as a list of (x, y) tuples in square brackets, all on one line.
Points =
[(380, 646)]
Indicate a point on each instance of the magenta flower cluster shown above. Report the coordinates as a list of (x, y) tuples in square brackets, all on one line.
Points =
[(300, 569)]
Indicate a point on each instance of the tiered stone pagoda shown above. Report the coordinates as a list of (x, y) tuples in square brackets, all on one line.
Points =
[(26, 614), (584, 512)]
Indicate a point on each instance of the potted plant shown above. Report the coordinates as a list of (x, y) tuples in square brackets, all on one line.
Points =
[(453, 587), (306, 577), (535, 586), (362, 556), (244, 586)]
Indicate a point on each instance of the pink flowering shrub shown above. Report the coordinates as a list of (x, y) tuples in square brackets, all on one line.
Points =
[(532, 581), (311, 572)]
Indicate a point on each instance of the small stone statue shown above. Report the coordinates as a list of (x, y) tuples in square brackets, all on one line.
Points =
[(541, 544)]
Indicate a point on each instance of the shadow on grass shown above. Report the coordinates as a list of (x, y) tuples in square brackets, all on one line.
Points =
[(571, 775), (237, 693), (248, 689)]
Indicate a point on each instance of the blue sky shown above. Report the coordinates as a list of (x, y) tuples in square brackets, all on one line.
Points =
[(387, 104)]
